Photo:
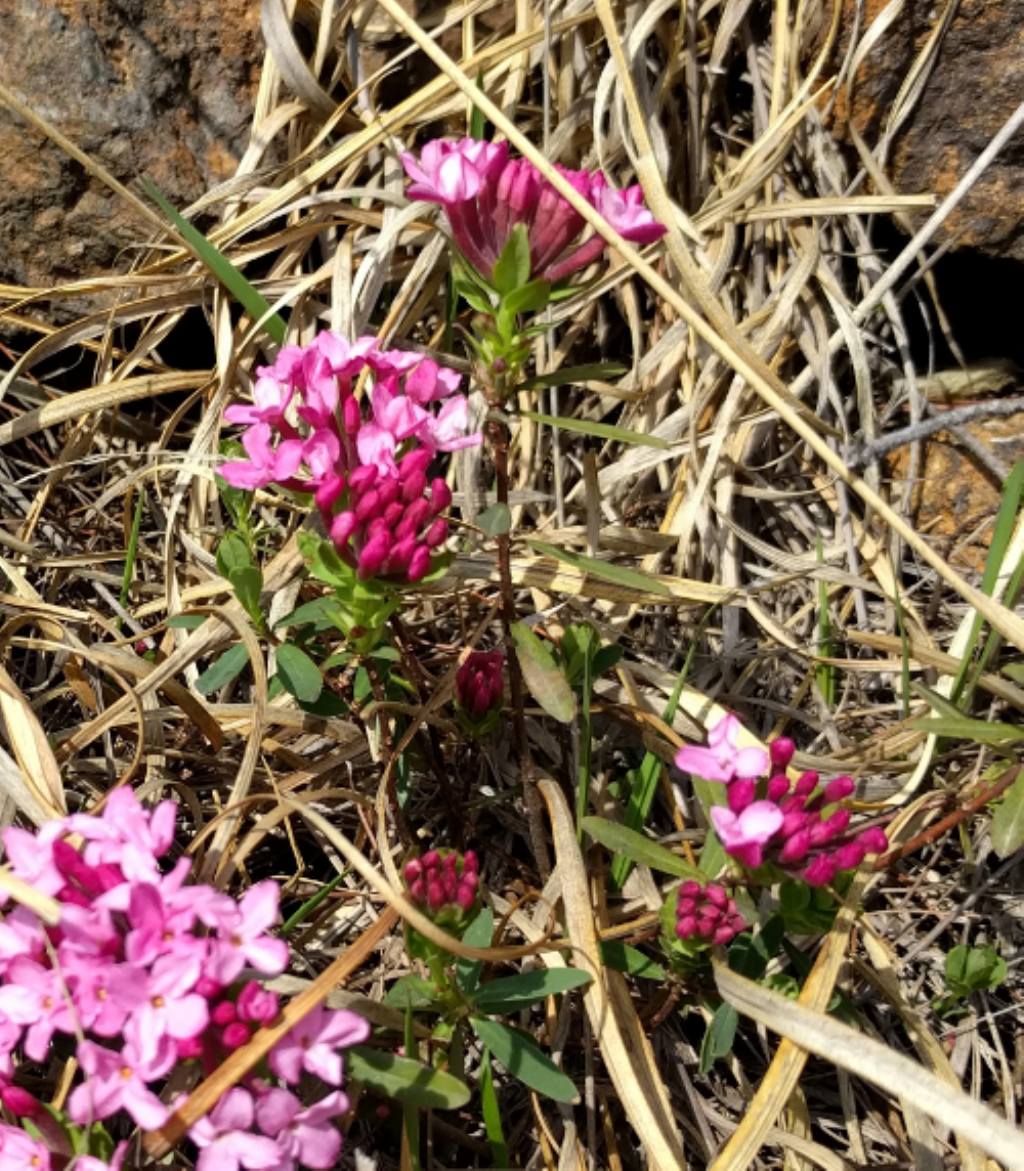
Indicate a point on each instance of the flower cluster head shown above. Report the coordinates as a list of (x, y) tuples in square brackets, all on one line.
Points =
[(365, 460), (441, 882), (485, 193), (799, 827), (147, 971), (479, 685), (706, 914)]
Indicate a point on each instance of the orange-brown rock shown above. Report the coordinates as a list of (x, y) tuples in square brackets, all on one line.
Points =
[(162, 88), (972, 90)]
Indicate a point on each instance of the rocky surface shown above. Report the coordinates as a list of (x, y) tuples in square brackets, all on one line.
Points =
[(972, 90), (147, 87)]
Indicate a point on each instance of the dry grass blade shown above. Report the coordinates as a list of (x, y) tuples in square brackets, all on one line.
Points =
[(42, 784), (825, 1036), (624, 1049)]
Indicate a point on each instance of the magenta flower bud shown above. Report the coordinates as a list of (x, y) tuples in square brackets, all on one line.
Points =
[(435, 895), (431, 860), (685, 905), (362, 477), (706, 924), (419, 564), (374, 555), (326, 495), (874, 840), (208, 988), (224, 1013), (436, 534), (257, 1004), (235, 1036), (465, 896), (794, 821), (838, 789), (849, 856), (440, 496), (778, 787), (716, 895), (414, 486), (725, 933), (820, 870), (342, 528), (796, 848), (388, 492), (470, 862), (740, 794), (367, 506), (20, 1102), (418, 889), (479, 685), (414, 463), (413, 519), (351, 415), (781, 750), (449, 862), (188, 1048), (686, 927), (413, 869), (806, 784), (690, 888)]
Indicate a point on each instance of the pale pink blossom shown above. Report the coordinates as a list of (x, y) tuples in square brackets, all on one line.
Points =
[(242, 937), (308, 1136), (723, 759), (744, 835), (120, 1081), (313, 1045), (225, 1137), (265, 463)]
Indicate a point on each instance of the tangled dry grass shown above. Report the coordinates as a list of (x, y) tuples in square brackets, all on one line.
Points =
[(766, 346)]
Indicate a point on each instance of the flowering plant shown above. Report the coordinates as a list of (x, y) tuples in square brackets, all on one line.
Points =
[(147, 972)]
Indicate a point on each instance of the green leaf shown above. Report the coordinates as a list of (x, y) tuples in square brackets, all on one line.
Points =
[(247, 583), (411, 992), (477, 118), (595, 371), (407, 1081), (321, 613), (496, 520), (974, 969), (515, 992), (512, 268), (479, 933), (1014, 671), (718, 1039), (299, 674), (1008, 820), (186, 621), (251, 301), (601, 430), (618, 839), (232, 554), (625, 958), (520, 1056), (491, 1111), (527, 298), (324, 562), (546, 682), (607, 657), (980, 731), (632, 579), (222, 670)]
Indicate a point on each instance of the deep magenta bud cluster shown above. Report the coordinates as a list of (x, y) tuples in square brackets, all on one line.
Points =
[(479, 685), (706, 914), (441, 879)]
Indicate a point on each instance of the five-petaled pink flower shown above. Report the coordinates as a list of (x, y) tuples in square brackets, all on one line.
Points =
[(314, 1043), (723, 759), (225, 1137)]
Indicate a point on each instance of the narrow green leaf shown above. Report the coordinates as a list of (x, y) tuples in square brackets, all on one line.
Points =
[(593, 372), (496, 520), (980, 731), (1008, 820), (477, 118), (620, 840), (512, 268), (247, 583), (529, 297), (478, 934), (322, 613), (407, 1081), (132, 552), (299, 674), (515, 992), (632, 579), (543, 677), (253, 302), (222, 670), (491, 1111), (625, 958), (310, 905), (520, 1056), (600, 430), (186, 621), (718, 1039), (411, 992)]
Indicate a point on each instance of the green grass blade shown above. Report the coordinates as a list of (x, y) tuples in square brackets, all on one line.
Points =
[(132, 552), (254, 303), (617, 574), (601, 430)]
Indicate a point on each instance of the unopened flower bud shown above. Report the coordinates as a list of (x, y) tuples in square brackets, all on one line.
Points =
[(479, 685)]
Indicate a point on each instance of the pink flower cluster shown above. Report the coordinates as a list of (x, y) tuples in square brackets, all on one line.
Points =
[(706, 914), (787, 826), (485, 193), (478, 683), (365, 461), (148, 971), (439, 880)]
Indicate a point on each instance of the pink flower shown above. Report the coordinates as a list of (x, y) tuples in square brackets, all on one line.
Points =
[(265, 463), (36, 997), (744, 836), (169, 1006), (242, 937), (270, 400), (314, 1043), (120, 1081), (723, 759), (225, 1137), (306, 1135), (20, 1152), (428, 381)]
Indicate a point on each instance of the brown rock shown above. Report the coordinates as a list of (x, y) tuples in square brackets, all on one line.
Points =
[(973, 89), (162, 88)]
